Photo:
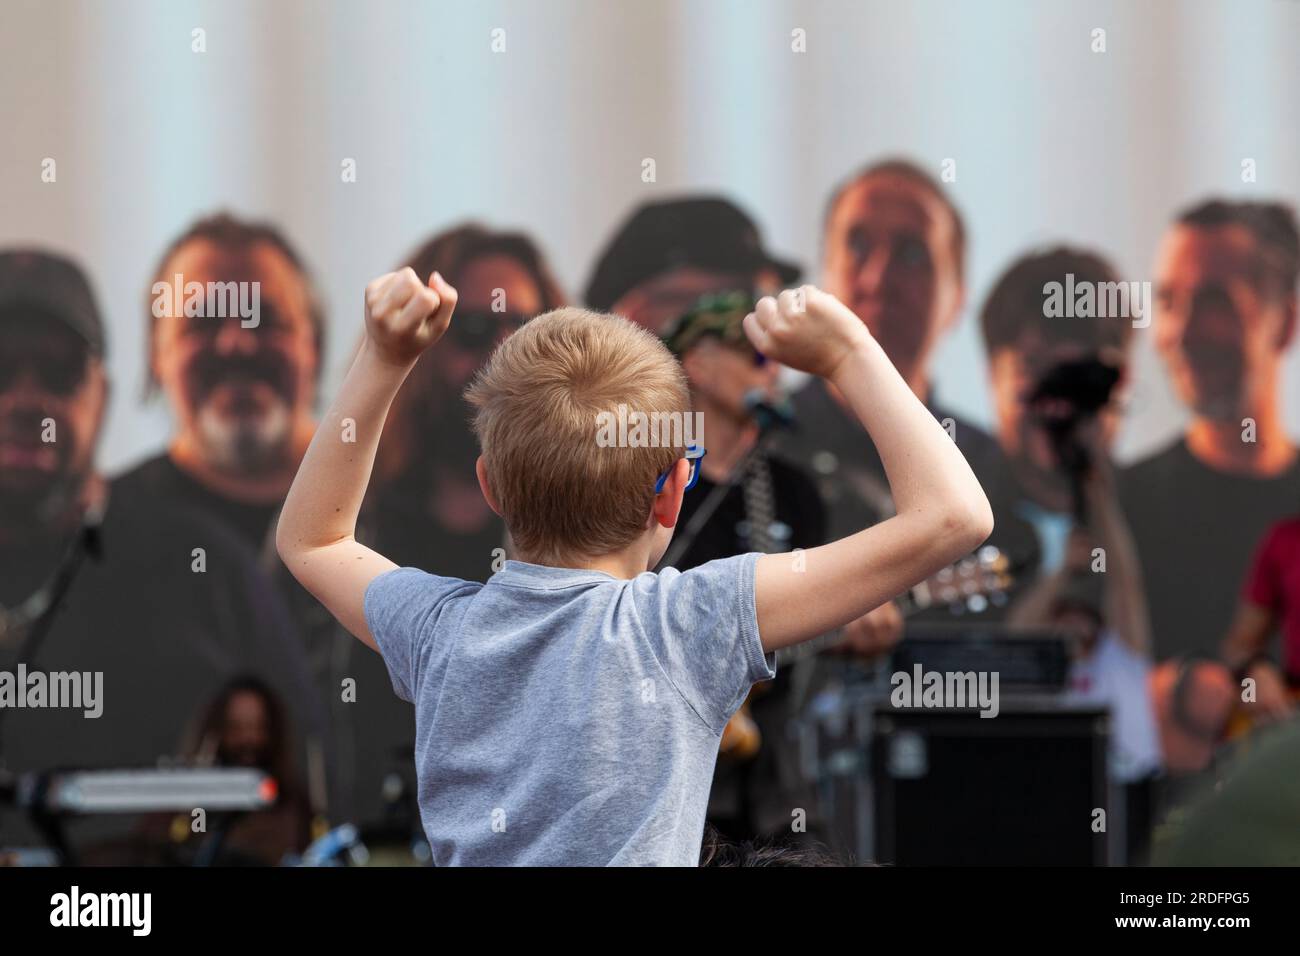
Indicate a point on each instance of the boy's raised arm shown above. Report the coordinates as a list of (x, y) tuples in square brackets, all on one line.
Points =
[(315, 534), (942, 512)]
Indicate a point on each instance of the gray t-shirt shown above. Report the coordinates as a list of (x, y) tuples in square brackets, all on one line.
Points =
[(567, 716)]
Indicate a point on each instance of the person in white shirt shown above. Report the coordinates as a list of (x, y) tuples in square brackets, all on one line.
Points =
[(1106, 671)]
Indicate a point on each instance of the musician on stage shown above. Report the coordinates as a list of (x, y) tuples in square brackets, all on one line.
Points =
[(894, 249), (668, 254), (245, 725), (689, 269), (772, 506)]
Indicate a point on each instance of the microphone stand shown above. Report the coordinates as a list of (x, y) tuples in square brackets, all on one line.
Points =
[(85, 542), (769, 421)]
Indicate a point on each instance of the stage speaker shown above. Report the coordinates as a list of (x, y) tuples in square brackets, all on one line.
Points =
[(1023, 788)]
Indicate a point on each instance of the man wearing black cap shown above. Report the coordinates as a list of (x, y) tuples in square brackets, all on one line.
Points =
[(747, 499), (688, 269), (240, 388), (667, 255), (85, 586)]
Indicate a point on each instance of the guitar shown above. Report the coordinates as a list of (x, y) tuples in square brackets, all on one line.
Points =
[(969, 586)]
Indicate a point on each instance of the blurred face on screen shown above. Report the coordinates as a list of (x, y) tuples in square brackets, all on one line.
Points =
[(659, 302), (889, 256), (1218, 329), (239, 392), (722, 374), (497, 294), (52, 394), (1014, 375)]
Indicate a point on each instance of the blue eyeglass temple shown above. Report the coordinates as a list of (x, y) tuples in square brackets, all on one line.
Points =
[(693, 454)]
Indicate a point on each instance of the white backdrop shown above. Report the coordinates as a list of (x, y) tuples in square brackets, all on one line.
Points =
[(1052, 141)]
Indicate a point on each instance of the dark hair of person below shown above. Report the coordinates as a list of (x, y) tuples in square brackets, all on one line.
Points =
[(717, 851)]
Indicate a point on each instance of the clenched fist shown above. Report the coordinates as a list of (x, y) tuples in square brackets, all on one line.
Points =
[(805, 328), (874, 634), (404, 316)]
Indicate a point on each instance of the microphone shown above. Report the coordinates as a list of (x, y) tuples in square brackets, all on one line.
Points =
[(770, 414)]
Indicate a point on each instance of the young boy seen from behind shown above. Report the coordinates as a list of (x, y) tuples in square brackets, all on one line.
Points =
[(568, 711)]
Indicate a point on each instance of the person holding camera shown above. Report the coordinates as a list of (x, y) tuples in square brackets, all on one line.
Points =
[(1055, 383)]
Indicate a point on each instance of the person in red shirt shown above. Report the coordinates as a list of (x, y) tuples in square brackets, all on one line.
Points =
[(1270, 599)]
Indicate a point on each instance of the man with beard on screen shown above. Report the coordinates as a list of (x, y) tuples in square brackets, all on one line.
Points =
[(161, 603), (1225, 309), (425, 508), (240, 388)]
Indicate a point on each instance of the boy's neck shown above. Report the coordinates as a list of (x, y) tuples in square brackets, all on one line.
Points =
[(625, 564)]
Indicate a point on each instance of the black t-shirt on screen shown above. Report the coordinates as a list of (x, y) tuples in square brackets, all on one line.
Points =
[(159, 479), (370, 730), (1196, 530), (833, 445), (164, 636), (797, 506)]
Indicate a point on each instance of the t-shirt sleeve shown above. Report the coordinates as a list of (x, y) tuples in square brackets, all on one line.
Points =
[(703, 629), (1263, 582), (402, 609)]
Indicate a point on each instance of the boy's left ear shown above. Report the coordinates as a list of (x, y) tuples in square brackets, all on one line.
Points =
[(481, 471), (668, 503)]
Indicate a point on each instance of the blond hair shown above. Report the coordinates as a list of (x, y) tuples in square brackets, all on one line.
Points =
[(537, 404)]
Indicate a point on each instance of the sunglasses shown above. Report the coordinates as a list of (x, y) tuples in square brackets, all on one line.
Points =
[(481, 329), (694, 454), (58, 375), (748, 351), (718, 316)]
